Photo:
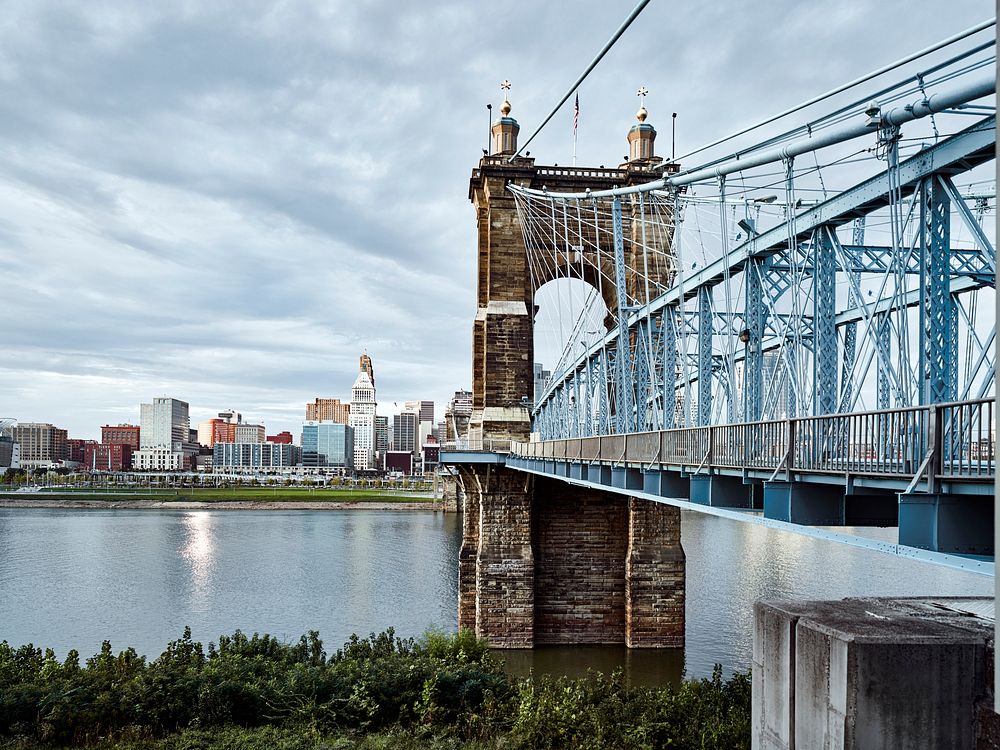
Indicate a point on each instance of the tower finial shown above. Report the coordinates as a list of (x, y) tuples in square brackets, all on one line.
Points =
[(642, 113), (505, 107)]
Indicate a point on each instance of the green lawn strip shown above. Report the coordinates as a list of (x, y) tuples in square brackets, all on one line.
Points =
[(230, 495)]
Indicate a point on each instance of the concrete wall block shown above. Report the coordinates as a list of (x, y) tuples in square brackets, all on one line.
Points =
[(869, 673)]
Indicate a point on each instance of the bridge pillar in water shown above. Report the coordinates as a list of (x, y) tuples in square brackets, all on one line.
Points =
[(546, 562), (945, 522), (496, 562)]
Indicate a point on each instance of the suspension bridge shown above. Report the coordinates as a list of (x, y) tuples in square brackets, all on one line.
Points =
[(797, 332)]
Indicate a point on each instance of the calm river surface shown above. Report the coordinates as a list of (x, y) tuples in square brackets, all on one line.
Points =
[(72, 578)]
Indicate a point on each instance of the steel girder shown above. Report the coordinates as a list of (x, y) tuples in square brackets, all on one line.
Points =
[(824, 294), (847, 366), (879, 259), (753, 367), (669, 326), (704, 356), (939, 369)]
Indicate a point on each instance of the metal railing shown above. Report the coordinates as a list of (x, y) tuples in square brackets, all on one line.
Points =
[(478, 445), (951, 441)]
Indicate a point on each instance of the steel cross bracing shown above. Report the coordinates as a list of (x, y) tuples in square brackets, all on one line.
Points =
[(649, 380)]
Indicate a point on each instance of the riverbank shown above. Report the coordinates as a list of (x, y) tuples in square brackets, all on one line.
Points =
[(220, 498), (73, 503), (441, 691)]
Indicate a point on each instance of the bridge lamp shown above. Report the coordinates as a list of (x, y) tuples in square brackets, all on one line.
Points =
[(874, 114), (765, 199)]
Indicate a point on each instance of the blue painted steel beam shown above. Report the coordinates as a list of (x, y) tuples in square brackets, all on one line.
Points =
[(938, 371), (705, 356), (824, 323), (753, 368)]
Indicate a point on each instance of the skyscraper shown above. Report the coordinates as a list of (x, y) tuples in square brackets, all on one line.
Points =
[(164, 435), (164, 424), (404, 431), (362, 418), (381, 437)]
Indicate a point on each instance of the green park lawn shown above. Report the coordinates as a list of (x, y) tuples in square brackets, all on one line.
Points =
[(230, 494)]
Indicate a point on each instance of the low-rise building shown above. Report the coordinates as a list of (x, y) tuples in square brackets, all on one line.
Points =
[(399, 462), (255, 455), (282, 437), (159, 459), (107, 457)]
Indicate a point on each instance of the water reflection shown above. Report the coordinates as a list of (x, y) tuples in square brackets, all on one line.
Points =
[(641, 666), (199, 554), (70, 579)]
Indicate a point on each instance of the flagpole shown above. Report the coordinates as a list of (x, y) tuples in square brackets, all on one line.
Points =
[(576, 121)]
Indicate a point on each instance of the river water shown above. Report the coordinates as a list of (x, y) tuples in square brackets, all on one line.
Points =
[(72, 578)]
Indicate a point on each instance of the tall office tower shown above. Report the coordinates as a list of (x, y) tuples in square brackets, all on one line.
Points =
[(405, 427), (328, 410), (381, 437), (365, 363), (427, 411), (164, 435), (362, 417), (163, 424)]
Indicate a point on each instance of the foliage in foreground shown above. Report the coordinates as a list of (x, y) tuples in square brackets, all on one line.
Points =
[(380, 692)]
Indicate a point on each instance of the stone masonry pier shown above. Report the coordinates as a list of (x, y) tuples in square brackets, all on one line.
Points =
[(545, 562)]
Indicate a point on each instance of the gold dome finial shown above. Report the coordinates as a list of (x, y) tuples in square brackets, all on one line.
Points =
[(505, 107), (642, 114)]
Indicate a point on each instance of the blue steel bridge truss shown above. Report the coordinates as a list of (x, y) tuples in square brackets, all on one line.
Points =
[(680, 358)]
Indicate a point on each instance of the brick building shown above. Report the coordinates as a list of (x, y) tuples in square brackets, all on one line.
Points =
[(328, 410), (121, 434), (107, 456)]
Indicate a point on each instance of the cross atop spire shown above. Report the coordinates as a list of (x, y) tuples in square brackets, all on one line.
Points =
[(505, 107), (641, 93)]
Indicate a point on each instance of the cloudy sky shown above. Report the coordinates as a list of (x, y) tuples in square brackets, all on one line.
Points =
[(227, 202)]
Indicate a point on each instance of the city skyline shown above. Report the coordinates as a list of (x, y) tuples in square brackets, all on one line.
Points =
[(230, 222)]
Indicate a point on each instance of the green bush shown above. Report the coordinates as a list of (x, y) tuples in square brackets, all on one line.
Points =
[(441, 691)]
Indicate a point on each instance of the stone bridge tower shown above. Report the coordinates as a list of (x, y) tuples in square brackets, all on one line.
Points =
[(543, 561)]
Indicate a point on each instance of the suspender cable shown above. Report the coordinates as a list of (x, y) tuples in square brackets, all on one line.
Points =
[(593, 64)]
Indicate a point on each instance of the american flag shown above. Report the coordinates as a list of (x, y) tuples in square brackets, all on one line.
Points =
[(576, 113)]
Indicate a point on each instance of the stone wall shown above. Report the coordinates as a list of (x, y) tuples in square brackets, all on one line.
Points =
[(579, 541), (545, 562), (654, 576)]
